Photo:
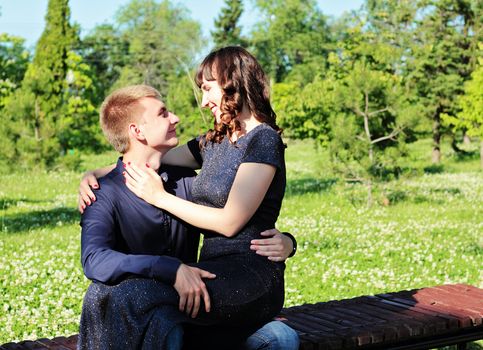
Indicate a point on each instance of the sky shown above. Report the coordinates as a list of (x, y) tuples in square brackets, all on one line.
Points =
[(25, 18)]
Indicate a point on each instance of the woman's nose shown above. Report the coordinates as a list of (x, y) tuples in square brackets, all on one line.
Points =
[(204, 100)]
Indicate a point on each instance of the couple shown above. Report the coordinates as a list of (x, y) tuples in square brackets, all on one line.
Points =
[(142, 259)]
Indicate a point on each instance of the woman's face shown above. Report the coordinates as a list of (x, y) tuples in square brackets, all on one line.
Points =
[(212, 95)]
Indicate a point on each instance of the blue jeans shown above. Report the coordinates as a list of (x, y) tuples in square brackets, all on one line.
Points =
[(274, 335)]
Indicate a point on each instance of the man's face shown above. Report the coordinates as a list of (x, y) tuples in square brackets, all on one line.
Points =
[(158, 124)]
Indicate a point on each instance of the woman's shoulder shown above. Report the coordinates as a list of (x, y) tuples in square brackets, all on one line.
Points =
[(265, 132)]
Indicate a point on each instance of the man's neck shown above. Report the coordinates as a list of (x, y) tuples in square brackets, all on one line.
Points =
[(141, 157)]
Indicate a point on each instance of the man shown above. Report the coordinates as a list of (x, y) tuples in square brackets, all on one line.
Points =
[(124, 237)]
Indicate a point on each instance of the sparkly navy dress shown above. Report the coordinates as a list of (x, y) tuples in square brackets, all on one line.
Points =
[(249, 289)]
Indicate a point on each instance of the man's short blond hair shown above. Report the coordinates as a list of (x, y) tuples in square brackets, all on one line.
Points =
[(119, 109)]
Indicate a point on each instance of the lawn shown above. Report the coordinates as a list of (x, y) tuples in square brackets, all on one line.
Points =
[(428, 231)]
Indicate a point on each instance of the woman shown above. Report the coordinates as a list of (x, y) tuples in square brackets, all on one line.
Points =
[(237, 194)]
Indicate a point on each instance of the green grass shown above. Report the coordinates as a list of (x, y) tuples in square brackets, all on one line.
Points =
[(430, 233)]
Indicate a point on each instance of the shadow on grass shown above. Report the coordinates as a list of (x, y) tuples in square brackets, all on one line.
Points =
[(399, 196), (434, 169), (24, 222), (6, 203), (298, 187)]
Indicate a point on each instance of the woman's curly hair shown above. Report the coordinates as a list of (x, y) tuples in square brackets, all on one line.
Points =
[(242, 81)]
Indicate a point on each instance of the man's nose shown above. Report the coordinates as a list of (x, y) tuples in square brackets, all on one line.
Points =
[(173, 118)]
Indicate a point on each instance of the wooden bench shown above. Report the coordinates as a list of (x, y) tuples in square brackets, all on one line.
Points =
[(418, 319)]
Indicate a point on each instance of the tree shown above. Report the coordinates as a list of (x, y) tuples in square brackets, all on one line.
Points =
[(292, 37), (79, 127), (162, 40), (44, 82), (52, 113), (227, 29), (357, 107), (14, 59), (440, 59), (106, 51), (364, 142), (470, 118)]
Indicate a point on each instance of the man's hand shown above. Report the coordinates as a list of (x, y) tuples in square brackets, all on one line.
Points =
[(277, 248), (191, 289)]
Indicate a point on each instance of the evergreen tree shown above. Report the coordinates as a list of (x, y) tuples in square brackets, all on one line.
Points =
[(440, 59), (227, 30), (42, 89)]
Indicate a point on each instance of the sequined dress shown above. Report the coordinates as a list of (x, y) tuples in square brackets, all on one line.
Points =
[(249, 289)]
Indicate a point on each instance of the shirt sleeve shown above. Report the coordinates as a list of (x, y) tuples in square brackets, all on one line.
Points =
[(265, 147), (101, 262), (194, 147)]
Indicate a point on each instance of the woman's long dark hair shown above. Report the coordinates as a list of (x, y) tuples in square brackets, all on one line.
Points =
[(242, 81)]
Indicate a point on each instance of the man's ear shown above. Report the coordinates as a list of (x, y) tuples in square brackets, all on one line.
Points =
[(136, 132)]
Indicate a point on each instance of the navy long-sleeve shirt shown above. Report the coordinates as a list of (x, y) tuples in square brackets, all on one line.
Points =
[(123, 236)]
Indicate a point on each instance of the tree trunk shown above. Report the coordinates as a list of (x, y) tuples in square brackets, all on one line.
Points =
[(369, 193), (436, 156), (466, 139)]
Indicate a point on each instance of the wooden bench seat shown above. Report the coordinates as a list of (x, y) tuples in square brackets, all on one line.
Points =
[(418, 319)]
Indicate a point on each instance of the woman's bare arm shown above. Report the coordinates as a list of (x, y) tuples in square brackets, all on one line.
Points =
[(248, 190)]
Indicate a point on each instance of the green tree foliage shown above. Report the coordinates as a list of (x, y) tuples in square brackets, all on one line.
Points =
[(41, 94), (227, 28), (292, 37), (106, 51), (440, 58), (470, 118), (79, 127), (162, 41), (365, 134), (51, 114), (45, 79), (13, 62), (156, 44), (357, 106)]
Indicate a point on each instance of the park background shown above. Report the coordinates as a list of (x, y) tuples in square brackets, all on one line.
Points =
[(382, 111)]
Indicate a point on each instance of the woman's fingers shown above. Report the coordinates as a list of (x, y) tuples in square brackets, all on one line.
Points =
[(132, 185), (133, 172), (276, 258), (80, 205)]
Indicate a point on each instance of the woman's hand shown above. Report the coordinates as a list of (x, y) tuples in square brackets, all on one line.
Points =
[(86, 196), (146, 184)]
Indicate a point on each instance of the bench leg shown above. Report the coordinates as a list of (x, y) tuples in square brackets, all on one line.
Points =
[(461, 346)]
